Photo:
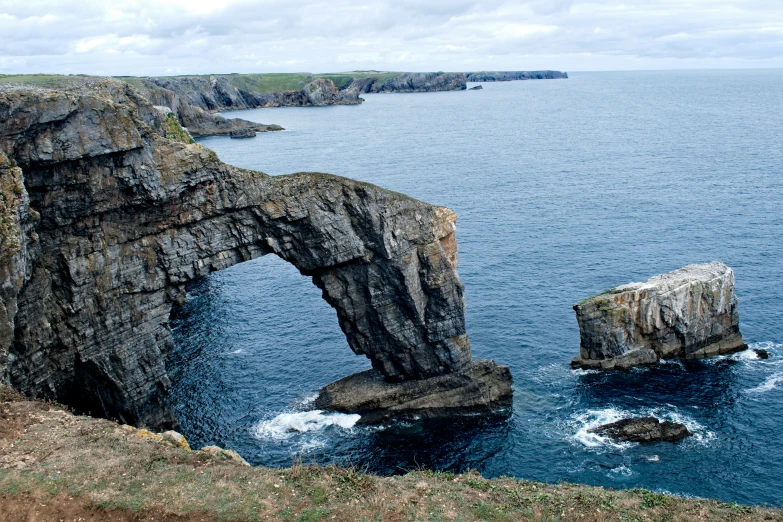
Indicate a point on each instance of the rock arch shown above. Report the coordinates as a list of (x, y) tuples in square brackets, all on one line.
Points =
[(116, 219)]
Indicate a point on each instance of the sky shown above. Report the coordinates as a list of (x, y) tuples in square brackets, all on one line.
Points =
[(160, 37)]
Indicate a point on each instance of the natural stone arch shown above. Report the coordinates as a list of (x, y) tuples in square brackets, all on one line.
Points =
[(125, 218)]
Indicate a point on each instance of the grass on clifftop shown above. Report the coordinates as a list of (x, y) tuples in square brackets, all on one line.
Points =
[(49, 81), (271, 82), (55, 466)]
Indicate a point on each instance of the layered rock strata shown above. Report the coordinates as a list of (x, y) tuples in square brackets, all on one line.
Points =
[(113, 219), (689, 313), (479, 387)]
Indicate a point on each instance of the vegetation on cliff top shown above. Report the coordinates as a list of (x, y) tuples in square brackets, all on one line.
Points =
[(54, 464)]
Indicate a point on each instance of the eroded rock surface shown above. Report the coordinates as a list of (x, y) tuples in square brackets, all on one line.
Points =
[(689, 313), (643, 429), (481, 386), (113, 219)]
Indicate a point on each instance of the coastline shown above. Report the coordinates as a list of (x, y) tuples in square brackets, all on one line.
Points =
[(126, 474)]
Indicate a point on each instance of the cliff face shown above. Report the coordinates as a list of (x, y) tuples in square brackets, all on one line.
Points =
[(197, 119), (691, 312), (221, 93), (119, 218), (507, 76), (410, 82)]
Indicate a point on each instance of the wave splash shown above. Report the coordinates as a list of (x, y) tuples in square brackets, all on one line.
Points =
[(286, 425)]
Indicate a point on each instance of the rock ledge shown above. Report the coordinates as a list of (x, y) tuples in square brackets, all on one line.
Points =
[(480, 387)]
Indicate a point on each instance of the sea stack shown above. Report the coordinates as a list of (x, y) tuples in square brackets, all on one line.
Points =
[(689, 313)]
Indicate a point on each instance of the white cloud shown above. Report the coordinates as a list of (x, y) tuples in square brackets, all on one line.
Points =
[(200, 36)]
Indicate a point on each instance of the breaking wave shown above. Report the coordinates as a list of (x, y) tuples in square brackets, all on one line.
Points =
[(771, 383), (285, 425)]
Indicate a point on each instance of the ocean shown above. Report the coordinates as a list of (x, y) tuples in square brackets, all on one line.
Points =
[(563, 188)]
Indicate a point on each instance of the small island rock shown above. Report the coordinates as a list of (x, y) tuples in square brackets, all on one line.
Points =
[(643, 429), (762, 354), (476, 88)]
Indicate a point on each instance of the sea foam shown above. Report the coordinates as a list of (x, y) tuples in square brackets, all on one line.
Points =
[(769, 384)]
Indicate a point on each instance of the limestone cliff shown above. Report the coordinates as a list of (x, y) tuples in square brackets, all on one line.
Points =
[(691, 312), (119, 218)]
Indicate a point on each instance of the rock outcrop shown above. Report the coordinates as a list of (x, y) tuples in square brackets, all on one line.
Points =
[(689, 313), (113, 219), (643, 429), (507, 76), (479, 387), (243, 133)]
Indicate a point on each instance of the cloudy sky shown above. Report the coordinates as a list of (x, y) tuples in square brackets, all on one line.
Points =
[(146, 37)]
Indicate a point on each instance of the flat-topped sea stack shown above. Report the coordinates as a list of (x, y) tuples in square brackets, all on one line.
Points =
[(689, 313)]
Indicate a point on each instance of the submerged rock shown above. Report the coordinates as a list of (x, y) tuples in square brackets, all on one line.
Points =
[(476, 88), (689, 313), (243, 133), (643, 429), (762, 354), (479, 387)]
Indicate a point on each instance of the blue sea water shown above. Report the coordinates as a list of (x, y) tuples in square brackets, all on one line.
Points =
[(563, 189)]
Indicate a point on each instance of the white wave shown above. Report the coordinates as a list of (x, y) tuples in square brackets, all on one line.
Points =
[(594, 418), (622, 470), (653, 458), (286, 425), (308, 400), (581, 371), (769, 384)]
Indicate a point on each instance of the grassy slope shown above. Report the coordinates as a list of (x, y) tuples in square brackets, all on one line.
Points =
[(53, 463)]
